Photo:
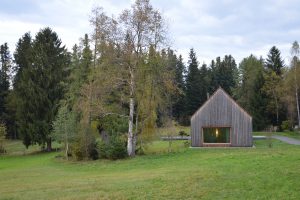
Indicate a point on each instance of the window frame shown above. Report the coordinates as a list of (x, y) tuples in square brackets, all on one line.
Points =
[(216, 144)]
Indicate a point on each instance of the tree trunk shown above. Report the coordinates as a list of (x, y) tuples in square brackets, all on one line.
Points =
[(67, 149), (277, 108), (296, 92), (49, 145), (130, 142)]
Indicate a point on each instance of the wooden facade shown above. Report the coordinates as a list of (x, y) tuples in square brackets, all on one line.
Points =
[(220, 110)]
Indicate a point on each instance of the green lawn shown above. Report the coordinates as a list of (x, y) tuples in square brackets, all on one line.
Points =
[(238, 173)]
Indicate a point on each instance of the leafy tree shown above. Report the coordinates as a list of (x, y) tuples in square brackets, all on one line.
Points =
[(65, 127), (273, 88), (295, 61), (127, 54), (250, 95)]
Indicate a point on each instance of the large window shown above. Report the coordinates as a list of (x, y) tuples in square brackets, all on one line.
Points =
[(216, 135)]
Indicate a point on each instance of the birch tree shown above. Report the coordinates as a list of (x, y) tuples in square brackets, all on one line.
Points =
[(144, 28), (122, 54), (295, 58)]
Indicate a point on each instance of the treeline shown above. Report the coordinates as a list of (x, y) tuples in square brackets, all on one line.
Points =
[(266, 88), (123, 81)]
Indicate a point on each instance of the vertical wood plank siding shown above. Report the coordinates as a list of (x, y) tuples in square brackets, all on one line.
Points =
[(220, 110)]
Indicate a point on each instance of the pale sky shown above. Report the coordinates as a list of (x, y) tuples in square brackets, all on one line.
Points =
[(212, 27)]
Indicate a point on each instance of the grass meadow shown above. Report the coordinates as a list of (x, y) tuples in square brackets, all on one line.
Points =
[(184, 173)]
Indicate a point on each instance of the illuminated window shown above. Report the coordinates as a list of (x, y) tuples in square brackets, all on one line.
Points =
[(216, 135)]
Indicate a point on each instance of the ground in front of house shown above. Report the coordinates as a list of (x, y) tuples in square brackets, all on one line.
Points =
[(239, 173)]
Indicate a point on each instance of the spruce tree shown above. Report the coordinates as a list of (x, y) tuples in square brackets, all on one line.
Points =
[(179, 104), (42, 88), (224, 74), (5, 61), (274, 61), (273, 76), (193, 96), (21, 83)]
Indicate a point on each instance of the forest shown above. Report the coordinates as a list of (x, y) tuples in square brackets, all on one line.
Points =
[(123, 81)]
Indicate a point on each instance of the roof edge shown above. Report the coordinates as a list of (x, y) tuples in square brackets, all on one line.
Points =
[(230, 98)]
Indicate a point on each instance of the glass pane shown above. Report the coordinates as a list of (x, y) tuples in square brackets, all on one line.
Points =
[(216, 135)]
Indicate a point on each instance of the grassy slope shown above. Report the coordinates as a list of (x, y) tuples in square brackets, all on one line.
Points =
[(252, 173)]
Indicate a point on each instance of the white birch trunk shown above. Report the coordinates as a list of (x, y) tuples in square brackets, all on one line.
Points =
[(67, 150), (131, 136), (130, 142), (296, 92)]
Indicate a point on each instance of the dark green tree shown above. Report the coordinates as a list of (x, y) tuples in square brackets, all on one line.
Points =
[(41, 82), (224, 74), (274, 61), (4, 77), (193, 87), (274, 69), (179, 104), (22, 60), (5, 70)]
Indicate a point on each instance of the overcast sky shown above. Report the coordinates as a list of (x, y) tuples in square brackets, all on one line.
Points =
[(212, 27)]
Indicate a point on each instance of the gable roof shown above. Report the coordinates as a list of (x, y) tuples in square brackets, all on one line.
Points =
[(227, 95)]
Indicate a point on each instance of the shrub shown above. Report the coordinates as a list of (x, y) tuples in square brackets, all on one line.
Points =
[(183, 133), (287, 125), (84, 147), (114, 149)]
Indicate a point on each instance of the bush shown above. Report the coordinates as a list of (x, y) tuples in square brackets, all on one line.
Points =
[(183, 133), (287, 125), (84, 147), (114, 149)]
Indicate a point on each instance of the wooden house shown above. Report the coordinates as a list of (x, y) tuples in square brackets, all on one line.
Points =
[(221, 122)]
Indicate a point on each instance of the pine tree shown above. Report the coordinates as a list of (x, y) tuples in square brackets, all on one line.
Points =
[(273, 76), (41, 85), (193, 96), (4, 82), (21, 83), (274, 61), (224, 74), (179, 104)]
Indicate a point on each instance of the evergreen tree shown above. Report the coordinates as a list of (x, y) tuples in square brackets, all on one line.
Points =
[(179, 104), (4, 77), (224, 74), (204, 83), (273, 76), (86, 60), (274, 61), (4, 82), (22, 60), (41, 83), (193, 88)]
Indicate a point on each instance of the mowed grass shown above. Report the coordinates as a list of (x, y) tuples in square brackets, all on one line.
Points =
[(219, 173)]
